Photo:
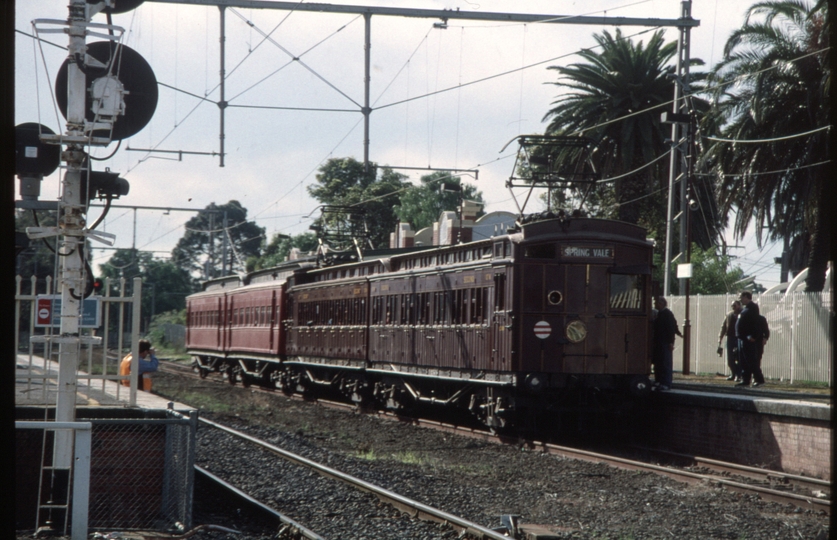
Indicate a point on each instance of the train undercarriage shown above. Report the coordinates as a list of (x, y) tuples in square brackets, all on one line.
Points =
[(507, 402)]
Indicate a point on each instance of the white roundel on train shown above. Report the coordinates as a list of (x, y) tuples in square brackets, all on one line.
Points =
[(542, 329)]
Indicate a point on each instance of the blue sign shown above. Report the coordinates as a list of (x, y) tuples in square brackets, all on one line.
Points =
[(48, 312)]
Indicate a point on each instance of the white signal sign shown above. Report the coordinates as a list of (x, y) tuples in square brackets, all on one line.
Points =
[(542, 329)]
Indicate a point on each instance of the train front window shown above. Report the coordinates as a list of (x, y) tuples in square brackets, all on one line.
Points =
[(540, 251), (626, 292)]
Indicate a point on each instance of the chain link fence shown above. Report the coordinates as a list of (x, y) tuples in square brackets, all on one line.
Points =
[(141, 471)]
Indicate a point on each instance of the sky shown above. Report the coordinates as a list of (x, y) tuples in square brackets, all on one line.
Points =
[(431, 106)]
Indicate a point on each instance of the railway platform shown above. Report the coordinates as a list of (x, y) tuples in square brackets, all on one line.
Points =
[(36, 385), (784, 427)]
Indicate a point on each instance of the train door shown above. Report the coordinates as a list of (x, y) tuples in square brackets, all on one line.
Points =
[(501, 322), (628, 299), (585, 300)]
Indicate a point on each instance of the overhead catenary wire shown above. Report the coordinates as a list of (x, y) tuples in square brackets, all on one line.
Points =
[(641, 167), (777, 171), (774, 139), (501, 74), (294, 58)]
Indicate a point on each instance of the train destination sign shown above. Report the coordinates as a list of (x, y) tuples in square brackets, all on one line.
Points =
[(587, 252)]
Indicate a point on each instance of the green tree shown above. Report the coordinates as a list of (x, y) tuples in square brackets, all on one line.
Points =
[(39, 258), (773, 83), (421, 205), (280, 246), (157, 329), (165, 285), (615, 82), (711, 273), (615, 98), (201, 249), (345, 183)]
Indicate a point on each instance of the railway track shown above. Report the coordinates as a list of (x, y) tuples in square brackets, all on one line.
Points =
[(802, 492), (288, 529), (411, 510)]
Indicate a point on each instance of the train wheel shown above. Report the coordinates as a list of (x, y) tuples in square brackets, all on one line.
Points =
[(231, 375), (246, 380), (203, 372)]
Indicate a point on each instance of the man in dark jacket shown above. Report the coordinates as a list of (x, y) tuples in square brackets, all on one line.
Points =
[(665, 328), (728, 331), (749, 332)]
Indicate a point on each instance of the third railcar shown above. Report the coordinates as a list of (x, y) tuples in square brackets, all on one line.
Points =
[(528, 322)]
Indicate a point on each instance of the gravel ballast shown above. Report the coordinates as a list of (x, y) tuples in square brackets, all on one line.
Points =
[(470, 478)]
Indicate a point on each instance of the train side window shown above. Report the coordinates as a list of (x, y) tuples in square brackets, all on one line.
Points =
[(499, 292), (626, 292), (476, 306), (540, 251), (421, 312), (390, 308)]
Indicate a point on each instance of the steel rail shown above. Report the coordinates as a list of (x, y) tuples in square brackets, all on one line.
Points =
[(690, 477), (746, 471), (413, 508), (302, 530)]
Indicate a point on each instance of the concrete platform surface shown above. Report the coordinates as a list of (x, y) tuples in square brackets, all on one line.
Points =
[(36, 385)]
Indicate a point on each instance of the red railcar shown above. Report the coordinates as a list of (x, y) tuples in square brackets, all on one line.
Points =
[(506, 326)]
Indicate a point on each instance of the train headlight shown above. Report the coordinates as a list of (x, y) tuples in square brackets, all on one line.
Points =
[(536, 382), (554, 297), (576, 331)]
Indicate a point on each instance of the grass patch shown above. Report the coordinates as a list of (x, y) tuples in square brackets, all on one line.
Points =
[(368, 455), (409, 458)]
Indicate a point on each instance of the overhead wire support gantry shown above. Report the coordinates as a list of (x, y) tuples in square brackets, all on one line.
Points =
[(684, 23)]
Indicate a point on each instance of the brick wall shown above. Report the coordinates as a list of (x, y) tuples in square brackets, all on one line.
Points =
[(785, 443)]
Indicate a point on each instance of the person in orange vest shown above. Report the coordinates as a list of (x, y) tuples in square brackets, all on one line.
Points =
[(148, 363)]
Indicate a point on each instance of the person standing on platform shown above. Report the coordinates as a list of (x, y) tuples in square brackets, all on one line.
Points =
[(665, 328), (749, 332), (728, 331), (148, 364)]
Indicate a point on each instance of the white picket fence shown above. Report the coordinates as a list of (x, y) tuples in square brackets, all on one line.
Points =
[(800, 345)]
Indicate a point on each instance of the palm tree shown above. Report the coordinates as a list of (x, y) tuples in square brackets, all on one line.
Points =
[(773, 84), (620, 79)]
